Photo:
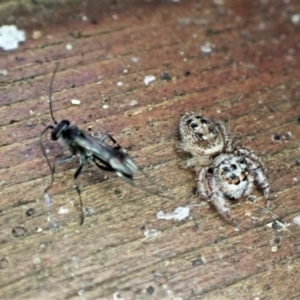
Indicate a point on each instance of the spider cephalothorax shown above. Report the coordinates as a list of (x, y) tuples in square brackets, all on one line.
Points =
[(202, 138), (224, 172)]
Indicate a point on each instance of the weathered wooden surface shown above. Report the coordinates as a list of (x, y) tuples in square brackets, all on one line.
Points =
[(250, 79)]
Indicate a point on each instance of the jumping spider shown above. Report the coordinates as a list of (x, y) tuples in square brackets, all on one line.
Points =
[(224, 171)]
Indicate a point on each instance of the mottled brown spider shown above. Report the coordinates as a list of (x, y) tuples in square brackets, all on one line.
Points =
[(224, 171)]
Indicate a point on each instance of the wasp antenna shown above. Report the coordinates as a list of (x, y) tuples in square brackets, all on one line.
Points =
[(44, 151), (50, 92), (150, 179), (149, 192), (153, 193)]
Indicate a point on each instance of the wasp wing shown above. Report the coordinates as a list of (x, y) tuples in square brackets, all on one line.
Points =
[(112, 157)]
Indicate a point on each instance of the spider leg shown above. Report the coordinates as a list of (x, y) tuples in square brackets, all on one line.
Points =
[(203, 188), (228, 141), (256, 169), (221, 204), (249, 188), (260, 180), (250, 155), (197, 162), (208, 188)]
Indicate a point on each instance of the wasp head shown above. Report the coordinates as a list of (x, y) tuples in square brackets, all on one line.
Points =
[(59, 129)]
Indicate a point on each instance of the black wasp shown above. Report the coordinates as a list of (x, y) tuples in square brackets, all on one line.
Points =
[(88, 149)]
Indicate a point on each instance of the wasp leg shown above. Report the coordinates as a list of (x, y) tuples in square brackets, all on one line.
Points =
[(77, 173), (105, 168), (52, 168), (104, 137)]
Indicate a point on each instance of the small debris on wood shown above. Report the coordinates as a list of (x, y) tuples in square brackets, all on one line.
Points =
[(206, 48), (19, 231), (30, 212), (165, 76), (282, 137), (151, 233), (278, 225), (179, 214), (88, 211), (36, 34), (3, 72), (295, 19), (75, 102), (148, 79), (133, 102), (296, 220), (150, 290), (274, 249), (69, 47), (47, 199), (10, 37), (197, 262), (63, 211), (4, 263)]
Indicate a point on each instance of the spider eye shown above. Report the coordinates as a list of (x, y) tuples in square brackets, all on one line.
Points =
[(210, 170), (226, 170), (204, 121), (194, 125), (211, 128), (233, 166), (188, 122), (243, 161)]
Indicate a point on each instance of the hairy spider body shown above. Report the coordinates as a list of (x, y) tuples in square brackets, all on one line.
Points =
[(231, 176), (202, 138), (224, 172)]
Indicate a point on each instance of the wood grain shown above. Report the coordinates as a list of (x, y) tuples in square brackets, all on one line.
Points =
[(250, 80)]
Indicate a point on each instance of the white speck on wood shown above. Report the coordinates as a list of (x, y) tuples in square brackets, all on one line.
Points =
[(75, 102), (134, 59), (36, 34), (295, 19), (179, 214), (47, 200), (3, 72), (133, 102), (148, 79), (10, 37), (206, 48), (296, 220), (274, 249), (63, 211), (151, 233)]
